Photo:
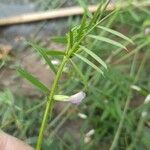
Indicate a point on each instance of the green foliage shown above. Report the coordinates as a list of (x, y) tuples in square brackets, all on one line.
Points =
[(89, 63), (89, 47), (6, 97), (55, 53), (74, 38), (107, 40), (42, 52), (33, 80), (116, 33), (98, 59)]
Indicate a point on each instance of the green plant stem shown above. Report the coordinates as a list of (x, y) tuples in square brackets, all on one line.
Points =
[(115, 141), (138, 133), (49, 106)]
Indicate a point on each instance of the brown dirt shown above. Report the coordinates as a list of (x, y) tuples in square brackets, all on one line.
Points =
[(32, 63)]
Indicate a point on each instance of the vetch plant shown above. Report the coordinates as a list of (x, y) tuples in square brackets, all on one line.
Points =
[(75, 46)]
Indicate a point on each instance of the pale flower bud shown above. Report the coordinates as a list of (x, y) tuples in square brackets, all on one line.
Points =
[(82, 116), (77, 98)]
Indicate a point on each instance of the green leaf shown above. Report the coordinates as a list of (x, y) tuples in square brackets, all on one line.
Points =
[(107, 40), (55, 53), (116, 33), (70, 39), (96, 15), (43, 53), (83, 24), (104, 6), (90, 63), (51, 52), (59, 39), (98, 59), (99, 12), (33, 80)]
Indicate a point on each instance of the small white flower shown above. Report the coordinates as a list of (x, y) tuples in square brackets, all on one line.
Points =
[(144, 114), (77, 98), (135, 87), (82, 116), (147, 100), (147, 31), (87, 140), (90, 133)]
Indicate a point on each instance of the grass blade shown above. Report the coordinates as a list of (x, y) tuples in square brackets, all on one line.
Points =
[(116, 33), (44, 55), (98, 59), (107, 40), (33, 80), (90, 63)]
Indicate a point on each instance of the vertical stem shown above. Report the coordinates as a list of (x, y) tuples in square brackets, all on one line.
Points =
[(49, 106), (115, 141)]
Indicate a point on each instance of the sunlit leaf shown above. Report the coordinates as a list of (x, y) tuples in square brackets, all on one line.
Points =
[(98, 59), (51, 52), (116, 33), (89, 63), (107, 40)]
